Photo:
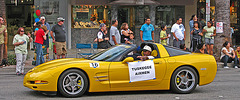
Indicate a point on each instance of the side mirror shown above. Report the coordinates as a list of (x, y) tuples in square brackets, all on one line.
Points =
[(128, 59)]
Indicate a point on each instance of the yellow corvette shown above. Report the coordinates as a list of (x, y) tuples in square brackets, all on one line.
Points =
[(108, 70)]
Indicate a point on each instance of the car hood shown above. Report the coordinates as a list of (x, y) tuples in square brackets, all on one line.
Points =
[(59, 62)]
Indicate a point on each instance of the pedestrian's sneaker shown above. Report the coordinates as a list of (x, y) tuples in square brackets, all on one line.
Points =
[(18, 74), (22, 73), (225, 67), (236, 67)]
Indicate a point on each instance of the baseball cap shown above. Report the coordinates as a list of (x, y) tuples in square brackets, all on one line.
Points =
[(42, 17), (60, 19), (101, 25), (148, 48)]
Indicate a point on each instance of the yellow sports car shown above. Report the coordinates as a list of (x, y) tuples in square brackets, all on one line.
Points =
[(117, 69)]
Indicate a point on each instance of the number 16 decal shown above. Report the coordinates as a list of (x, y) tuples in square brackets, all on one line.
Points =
[(94, 65)]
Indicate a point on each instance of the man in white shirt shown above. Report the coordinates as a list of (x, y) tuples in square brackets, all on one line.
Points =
[(178, 36), (115, 37)]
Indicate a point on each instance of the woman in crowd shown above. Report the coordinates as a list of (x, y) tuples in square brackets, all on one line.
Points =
[(228, 55), (125, 33), (201, 49), (20, 42), (197, 36), (191, 25), (210, 32), (192, 20)]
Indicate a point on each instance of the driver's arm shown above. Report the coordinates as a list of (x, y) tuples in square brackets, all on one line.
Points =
[(150, 57), (143, 58)]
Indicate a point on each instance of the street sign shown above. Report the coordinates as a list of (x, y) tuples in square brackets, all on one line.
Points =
[(208, 7), (207, 11), (219, 27)]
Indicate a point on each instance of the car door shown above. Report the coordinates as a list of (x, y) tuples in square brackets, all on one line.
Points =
[(119, 75)]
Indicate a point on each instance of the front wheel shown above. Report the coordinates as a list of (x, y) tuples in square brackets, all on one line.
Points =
[(184, 80), (72, 83)]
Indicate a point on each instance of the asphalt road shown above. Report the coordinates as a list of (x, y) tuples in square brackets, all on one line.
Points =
[(226, 86)]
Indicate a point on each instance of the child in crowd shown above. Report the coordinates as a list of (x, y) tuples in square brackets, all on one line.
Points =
[(237, 52), (40, 37), (130, 40), (163, 35)]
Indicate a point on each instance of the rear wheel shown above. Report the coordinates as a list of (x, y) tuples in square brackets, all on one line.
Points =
[(72, 83), (184, 80)]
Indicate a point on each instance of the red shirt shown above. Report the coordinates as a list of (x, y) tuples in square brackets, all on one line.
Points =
[(39, 36)]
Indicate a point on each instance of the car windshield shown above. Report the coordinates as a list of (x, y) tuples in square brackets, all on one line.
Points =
[(110, 54)]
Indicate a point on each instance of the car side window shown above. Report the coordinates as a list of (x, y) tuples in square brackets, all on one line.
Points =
[(175, 51)]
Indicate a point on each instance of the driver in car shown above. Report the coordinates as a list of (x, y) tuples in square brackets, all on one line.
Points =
[(146, 53)]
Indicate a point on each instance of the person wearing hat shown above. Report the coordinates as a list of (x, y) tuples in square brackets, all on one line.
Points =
[(46, 27), (147, 50), (102, 39), (60, 38)]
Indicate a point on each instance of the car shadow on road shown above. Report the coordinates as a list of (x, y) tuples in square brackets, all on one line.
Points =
[(119, 93), (127, 93)]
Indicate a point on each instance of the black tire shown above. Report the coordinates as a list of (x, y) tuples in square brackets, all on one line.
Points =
[(72, 83), (184, 80)]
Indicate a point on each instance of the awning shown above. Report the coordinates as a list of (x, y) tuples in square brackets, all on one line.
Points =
[(89, 2), (134, 2), (176, 2)]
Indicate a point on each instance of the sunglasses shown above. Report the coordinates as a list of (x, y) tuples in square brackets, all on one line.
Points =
[(145, 50), (21, 31)]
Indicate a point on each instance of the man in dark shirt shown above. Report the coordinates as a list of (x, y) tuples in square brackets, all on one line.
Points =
[(60, 38), (102, 39)]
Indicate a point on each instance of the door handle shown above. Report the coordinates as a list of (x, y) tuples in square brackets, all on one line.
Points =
[(158, 62)]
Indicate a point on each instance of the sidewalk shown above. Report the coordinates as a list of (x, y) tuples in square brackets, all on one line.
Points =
[(71, 53)]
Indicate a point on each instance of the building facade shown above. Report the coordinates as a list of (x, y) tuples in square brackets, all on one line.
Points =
[(83, 17)]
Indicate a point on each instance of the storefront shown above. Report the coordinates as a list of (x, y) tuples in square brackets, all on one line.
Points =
[(18, 14), (87, 17), (84, 16)]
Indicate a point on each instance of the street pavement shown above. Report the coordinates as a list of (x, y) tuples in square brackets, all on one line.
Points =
[(226, 86)]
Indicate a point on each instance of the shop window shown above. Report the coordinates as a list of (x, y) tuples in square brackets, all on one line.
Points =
[(89, 16), (141, 13), (166, 15), (233, 12)]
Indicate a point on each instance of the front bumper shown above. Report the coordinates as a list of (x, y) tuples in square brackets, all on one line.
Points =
[(48, 83)]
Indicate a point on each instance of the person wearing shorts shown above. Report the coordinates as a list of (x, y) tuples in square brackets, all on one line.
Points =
[(210, 32), (61, 48), (60, 38)]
